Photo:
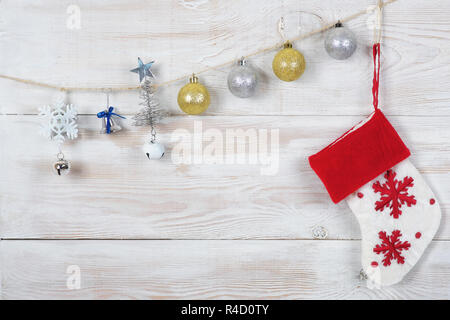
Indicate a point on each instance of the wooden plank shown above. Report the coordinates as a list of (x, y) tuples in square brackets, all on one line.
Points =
[(415, 54), (113, 191), (208, 270)]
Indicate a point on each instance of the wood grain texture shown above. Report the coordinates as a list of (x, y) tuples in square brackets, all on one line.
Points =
[(113, 191), (208, 270), (237, 233), (36, 44)]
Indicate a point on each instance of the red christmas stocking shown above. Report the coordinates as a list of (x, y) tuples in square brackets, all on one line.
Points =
[(397, 211)]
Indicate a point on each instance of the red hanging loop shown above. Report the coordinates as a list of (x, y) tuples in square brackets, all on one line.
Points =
[(376, 74)]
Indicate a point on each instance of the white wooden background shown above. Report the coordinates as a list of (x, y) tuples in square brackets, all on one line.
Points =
[(140, 229)]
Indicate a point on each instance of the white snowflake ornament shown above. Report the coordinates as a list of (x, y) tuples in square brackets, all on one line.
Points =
[(59, 121)]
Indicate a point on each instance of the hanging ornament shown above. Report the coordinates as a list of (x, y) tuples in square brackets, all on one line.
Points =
[(340, 42), (383, 189), (242, 79), (153, 150), (193, 98), (288, 64), (150, 115), (109, 124), (61, 166), (59, 122), (152, 112), (143, 70)]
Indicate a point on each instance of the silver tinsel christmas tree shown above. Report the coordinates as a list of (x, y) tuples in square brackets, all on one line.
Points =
[(152, 112)]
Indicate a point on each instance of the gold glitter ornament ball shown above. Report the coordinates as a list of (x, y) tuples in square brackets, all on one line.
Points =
[(288, 64), (193, 98)]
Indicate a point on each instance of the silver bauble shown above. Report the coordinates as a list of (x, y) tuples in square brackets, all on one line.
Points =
[(61, 167), (340, 42), (153, 150), (242, 80)]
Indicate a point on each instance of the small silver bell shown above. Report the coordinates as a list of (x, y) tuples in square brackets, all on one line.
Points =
[(62, 166), (114, 125)]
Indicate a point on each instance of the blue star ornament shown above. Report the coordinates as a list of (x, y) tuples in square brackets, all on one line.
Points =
[(143, 70)]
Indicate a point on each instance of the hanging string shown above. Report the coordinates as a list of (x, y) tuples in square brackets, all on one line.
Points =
[(381, 4), (379, 17), (376, 55), (281, 29), (376, 74)]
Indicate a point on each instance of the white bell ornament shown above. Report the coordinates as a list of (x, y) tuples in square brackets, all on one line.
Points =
[(153, 150)]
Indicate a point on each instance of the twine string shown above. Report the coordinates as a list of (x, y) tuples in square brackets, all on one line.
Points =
[(379, 17), (377, 36)]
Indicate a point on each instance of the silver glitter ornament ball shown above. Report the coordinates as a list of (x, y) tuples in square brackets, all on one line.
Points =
[(340, 42), (153, 150), (242, 80)]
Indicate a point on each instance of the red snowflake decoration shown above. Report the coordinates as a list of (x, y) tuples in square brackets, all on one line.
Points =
[(394, 193), (391, 247)]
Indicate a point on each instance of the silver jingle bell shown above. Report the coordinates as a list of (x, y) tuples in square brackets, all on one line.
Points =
[(61, 167), (114, 126), (340, 42), (242, 80), (153, 150)]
